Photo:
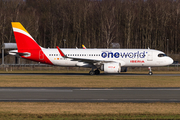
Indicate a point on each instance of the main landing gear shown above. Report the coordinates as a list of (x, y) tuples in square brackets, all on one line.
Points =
[(150, 71), (96, 72)]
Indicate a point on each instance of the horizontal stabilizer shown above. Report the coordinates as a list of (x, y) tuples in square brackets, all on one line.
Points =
[(16, 53)]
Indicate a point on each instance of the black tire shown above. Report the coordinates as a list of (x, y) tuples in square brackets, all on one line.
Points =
[(91, 72), (97, 72), (150, 73)]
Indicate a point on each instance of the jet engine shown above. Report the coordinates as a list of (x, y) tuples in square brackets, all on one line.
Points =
[(111, 67)]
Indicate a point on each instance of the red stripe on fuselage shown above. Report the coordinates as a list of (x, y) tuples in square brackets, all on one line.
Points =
[(27, 44)]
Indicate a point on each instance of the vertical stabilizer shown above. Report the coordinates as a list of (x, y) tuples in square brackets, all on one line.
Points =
[(23, 39)]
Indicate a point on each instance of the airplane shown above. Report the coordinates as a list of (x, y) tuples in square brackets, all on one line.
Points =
[(107, 60)]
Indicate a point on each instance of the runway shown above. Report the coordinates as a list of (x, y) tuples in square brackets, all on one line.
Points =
[(87, 74), (65, 94)]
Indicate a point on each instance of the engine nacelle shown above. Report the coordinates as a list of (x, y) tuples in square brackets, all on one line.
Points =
[(111, 67)]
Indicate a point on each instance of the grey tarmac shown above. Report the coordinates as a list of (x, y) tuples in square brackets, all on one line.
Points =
[(68, 94)]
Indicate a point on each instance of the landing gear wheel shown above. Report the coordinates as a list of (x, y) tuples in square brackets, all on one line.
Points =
[(150, 73), (91, 72), (97, 72)]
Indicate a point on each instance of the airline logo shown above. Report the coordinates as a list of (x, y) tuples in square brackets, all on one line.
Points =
[(27, 46), (111, 67), (137, 61), (137, 54), (17, 27), (23, 39)]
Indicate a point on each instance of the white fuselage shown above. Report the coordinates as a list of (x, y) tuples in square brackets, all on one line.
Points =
[(126, 57)]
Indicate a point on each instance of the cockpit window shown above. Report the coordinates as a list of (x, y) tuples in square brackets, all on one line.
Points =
[(161, 55)]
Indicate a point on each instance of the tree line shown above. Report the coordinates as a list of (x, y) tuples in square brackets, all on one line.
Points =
[(95, 23)]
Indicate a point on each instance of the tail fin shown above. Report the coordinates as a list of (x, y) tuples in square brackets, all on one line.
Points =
[(83, 47), (23, 39)]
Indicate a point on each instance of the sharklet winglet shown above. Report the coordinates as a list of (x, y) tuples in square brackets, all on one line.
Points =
[(61, 53), (83, 46)]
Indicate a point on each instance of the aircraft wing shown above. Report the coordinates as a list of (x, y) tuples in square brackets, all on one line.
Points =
[(91, 61), (87, 60), (82, 59)]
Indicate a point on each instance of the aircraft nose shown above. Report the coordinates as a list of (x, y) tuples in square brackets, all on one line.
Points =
[(170, 60)]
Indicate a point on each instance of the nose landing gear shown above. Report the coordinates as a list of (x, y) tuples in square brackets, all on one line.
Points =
[(150, 71)]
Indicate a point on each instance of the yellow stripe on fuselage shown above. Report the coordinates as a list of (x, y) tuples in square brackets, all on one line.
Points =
[(19, 26)]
